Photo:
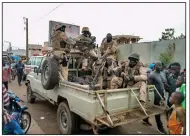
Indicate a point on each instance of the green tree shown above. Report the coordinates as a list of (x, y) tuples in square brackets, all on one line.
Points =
[(165, 58), (168, 34)]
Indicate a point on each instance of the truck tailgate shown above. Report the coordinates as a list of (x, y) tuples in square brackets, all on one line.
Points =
[(122, 106), (128, 116)]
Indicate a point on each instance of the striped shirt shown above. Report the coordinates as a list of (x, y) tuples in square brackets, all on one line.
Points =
[(6, 117), (6, 100)]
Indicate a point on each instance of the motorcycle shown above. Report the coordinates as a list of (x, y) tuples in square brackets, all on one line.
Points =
[(18, 112)]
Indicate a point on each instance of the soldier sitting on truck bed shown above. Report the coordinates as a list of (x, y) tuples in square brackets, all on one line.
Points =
[(86, 38), (133, 75), (108, 50)]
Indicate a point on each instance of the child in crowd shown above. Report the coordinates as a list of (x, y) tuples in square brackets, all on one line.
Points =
[(177, 120)]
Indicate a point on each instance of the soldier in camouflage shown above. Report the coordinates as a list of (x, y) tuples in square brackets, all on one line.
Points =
[(134, 75), (108, 50), (60, 45), (60, 40), (86, 37)]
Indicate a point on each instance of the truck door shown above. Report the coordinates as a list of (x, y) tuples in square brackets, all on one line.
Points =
[(41, 90)]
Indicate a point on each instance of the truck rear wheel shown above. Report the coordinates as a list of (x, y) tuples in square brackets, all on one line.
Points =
[(50, 73), (68, 121)]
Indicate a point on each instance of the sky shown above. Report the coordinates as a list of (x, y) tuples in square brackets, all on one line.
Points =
[(147, 20)]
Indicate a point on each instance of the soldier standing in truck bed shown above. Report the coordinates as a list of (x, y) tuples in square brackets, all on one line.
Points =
[(60, 40), (86, 37), (60, 44), (133, 75)]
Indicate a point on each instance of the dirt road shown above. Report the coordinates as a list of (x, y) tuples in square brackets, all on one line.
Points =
[(44, 118)]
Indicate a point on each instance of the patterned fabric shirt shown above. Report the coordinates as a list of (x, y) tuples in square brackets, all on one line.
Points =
[(6, 100)]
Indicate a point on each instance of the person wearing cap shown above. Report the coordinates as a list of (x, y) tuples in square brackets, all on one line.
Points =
[(60, 40), (86, 37), (150, 69), (134, 75), (60, 44)]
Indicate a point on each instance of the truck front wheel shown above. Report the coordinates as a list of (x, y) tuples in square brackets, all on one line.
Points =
[(67, 120)]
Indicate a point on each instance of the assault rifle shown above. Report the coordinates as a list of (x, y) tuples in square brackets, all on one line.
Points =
[(100, 63), (85, 45)]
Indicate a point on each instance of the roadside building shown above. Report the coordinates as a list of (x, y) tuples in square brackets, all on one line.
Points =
[(46, 48), (34, 50)]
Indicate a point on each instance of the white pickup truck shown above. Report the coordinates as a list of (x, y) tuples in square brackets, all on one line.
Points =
[(100, 108)]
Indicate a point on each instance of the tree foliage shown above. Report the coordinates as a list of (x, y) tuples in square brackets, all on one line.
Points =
[(168, 34), (165, 58)]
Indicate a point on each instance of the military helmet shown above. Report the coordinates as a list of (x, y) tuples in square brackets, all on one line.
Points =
[(60, 27), (134, 55), (85, 29)]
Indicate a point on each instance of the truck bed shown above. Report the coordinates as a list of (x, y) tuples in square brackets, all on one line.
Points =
[(117, 103)]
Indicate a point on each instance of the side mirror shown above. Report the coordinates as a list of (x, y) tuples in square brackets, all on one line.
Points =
[(35, 69)]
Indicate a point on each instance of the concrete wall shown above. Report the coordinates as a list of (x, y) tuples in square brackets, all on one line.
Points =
[(150, 51)]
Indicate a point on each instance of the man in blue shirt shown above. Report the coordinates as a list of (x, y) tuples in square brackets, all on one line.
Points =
[(19, 68)]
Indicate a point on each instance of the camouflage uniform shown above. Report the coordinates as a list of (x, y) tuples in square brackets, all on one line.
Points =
[(60, 41), (140, 77), (60, 45), (87, 53), (109, 50)]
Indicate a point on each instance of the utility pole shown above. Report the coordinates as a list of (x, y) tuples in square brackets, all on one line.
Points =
[(26, 28)]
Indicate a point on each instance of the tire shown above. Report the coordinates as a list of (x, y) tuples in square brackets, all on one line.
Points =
[(50, 73), (24, 77), (71, 125), (29, 94), (25, 128)]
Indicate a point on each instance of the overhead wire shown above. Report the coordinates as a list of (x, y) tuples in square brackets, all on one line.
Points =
[(47, 14)]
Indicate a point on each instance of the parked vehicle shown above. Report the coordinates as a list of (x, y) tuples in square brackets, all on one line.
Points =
[(33, 62), (18, 111)]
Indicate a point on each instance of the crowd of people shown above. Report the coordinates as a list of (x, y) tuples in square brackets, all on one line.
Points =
[(10, 72), (170, 81)]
